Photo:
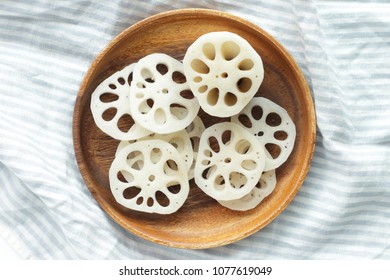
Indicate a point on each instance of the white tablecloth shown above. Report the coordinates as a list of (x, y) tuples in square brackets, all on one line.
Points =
[(342, 210)]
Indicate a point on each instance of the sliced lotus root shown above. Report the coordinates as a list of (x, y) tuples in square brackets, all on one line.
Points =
[(263, 188), (194, 130), (179, 139), (227, 150), (272, 125), (159, 87), (149, 176), (223, 71), (110, 107)]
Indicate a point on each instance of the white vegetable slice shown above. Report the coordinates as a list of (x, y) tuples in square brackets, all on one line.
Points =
[(227, 150), (223, 71), (194, 130), (110, 105), (272, 125), (149, 176), (263, 188), (159, 86), (179, 139)]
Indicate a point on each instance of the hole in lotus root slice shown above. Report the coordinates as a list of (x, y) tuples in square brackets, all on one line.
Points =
[(150, 103), (203, 89), (256, 112), (227, 135), (214, 145), (162, 68), (280, 135), (200, 67), (147, 75), (138, 155), (209, 172), (213, 96), (121, 81), (245, 121), (130, 79), (207, 153), (273, 149), (136, 161), (137, 164), (155, 156), (178, 111), (108, 97), (140, 95), (197, 79), (139, 200), (170, 167), (246, 64), (125, 176), (239, 153), (131, 192), (162, 199), (109, 114), (125, 123), (187, 94), (244, 84), (223, 71), (243, 146), (156, 181), (144, 108), (150, 202), (140, 85), (273, 127), (230, 99), (237, 180), (273, 119), (174, 187), (178, 77), (110, 106), (263, 188), (169, 89), (209, 51), (160, 116), (248, 164), (219, 183), (230, 50)]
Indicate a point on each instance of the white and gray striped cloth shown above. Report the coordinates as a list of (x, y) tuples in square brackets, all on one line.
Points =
[(342, 210)]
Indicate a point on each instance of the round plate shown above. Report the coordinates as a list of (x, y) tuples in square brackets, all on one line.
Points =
[(201, 222)]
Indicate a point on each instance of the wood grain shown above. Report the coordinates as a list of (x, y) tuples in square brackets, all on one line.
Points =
[(201, 222)]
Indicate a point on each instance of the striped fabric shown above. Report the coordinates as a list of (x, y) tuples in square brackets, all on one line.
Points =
[(343, 208)]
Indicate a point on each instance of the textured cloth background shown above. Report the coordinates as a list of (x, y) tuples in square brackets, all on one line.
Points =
[(342, 210)]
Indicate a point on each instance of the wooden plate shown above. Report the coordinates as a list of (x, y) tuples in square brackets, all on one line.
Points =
[(201, 222)]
